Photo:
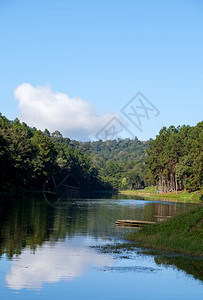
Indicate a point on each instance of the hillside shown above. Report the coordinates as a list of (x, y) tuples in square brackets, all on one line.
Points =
[(32, 156), (120, 163), (171, 162)]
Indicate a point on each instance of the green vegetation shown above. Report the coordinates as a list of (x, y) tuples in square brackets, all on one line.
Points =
[(120, 163), (175, 159), (182, 234), (151, 192), (173, 162), (29, 156)]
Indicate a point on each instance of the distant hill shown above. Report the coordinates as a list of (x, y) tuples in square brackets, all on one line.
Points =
[(120, 150), (120, 162)]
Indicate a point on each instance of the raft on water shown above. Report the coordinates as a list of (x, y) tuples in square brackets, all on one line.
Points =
[(133, 223)]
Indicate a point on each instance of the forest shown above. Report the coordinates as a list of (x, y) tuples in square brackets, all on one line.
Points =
[(171, 162), (175, 159), (29, 156)]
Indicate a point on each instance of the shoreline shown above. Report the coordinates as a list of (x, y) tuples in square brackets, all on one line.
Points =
[(150, 192), (182, 234)]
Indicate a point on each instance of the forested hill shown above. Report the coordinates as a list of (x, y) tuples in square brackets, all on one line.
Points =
[(124, 150), (120, 163), (173, 161), (28, 156)]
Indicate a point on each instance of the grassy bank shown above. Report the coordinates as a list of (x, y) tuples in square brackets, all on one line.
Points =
[(182, 234), (150, 192)]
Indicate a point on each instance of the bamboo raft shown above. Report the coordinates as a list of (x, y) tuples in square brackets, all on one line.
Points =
[(133, 223)]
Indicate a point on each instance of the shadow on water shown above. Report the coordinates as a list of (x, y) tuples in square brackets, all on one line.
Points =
[(191, 266)]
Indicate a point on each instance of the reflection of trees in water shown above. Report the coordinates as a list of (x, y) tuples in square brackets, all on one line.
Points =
[(26, 222), (31, 221), (189, 265), (160, 211), (15, 227)]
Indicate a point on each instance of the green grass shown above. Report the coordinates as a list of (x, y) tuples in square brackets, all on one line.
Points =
[(181, 234), (150, 192)]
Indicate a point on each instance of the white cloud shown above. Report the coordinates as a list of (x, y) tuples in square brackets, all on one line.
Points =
[(42, 108), (52, 264)]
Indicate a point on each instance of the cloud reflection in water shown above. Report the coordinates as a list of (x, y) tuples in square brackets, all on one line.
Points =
[(51, 264)]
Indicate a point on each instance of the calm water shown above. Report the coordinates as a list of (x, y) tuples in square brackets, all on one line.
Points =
[(50, 253)]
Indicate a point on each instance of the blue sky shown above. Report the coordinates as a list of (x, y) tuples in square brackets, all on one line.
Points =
[(102, 52)]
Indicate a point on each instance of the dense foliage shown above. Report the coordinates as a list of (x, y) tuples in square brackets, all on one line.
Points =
[(29, 156), (120, 163), (175, 159)]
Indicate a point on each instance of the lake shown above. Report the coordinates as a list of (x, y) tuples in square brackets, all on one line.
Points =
[(52, 251)]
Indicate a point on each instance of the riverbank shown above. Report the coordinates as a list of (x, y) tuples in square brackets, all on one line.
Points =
[(150, 192), (181, 234)]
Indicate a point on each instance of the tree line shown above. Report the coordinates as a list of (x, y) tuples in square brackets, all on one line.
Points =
[(175, 159), (171, 162), (29, 156)]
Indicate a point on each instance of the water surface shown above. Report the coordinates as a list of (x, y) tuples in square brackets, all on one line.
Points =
[(48, 252)]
